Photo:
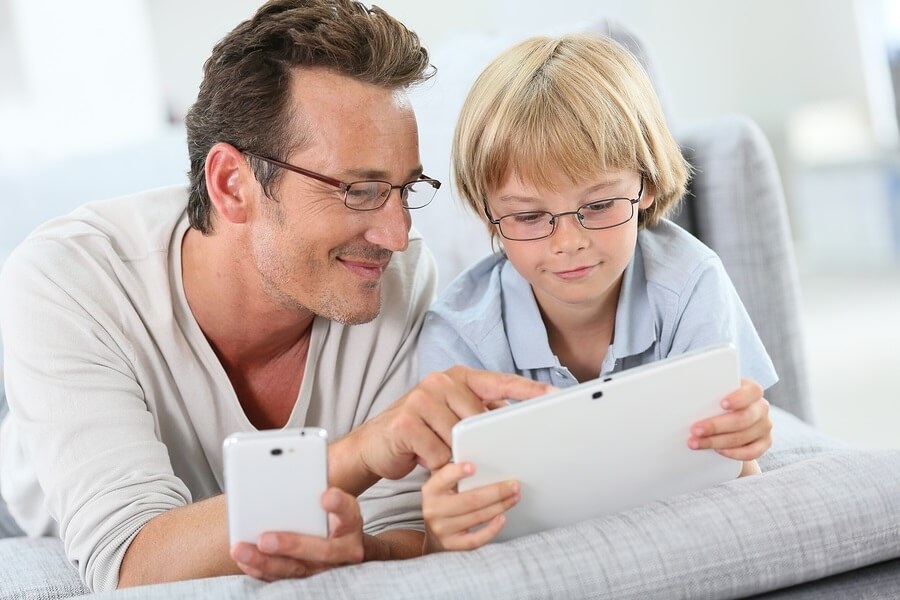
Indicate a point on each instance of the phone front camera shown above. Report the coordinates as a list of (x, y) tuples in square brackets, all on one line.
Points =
[(276, 451)]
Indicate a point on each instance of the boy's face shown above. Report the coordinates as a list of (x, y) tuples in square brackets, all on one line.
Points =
[(574, 268)]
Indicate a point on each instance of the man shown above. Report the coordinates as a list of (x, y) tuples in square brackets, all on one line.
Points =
[(282, 289)]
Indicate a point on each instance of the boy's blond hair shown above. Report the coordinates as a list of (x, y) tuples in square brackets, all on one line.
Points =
[(578, 103)]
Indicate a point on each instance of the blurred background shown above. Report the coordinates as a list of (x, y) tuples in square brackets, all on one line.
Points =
[(92, 94)]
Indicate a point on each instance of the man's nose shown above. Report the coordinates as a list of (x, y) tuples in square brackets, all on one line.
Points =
[(389, 227)]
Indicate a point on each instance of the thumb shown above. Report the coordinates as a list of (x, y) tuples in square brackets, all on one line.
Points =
[(343, 512)]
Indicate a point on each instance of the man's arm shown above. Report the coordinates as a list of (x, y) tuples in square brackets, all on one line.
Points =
[(416, 428), (394, 544), (188, 542), (197, 535)]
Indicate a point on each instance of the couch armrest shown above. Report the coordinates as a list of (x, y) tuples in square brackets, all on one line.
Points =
[(736, 206)]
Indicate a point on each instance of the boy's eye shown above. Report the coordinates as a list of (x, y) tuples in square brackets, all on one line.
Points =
[(599, 206), (529, 218)]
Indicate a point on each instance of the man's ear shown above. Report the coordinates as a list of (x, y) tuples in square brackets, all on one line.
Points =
[(229, 181)]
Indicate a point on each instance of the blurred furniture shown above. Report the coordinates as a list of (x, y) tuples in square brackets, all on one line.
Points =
[(736, 206)]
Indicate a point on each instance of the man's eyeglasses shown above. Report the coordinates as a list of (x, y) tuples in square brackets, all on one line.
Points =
[(369, 194), (536, 225)]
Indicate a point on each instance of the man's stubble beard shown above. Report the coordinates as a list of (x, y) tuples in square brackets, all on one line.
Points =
[(267, 252)]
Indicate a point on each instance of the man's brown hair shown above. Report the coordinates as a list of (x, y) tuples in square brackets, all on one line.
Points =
[(244, 98)]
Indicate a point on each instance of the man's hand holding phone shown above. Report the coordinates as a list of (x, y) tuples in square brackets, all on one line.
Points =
[(279, 555), (282, 520)]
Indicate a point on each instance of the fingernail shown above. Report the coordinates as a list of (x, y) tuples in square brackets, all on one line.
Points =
[(514, 487), (693, 444), (243, 554), (698, 430), (726, 404), (267, 543)]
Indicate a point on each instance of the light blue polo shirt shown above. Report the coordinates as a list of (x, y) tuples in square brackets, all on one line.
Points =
[(675, 298)]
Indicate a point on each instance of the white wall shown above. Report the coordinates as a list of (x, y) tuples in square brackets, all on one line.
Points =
[(85, 78), (764, 58)]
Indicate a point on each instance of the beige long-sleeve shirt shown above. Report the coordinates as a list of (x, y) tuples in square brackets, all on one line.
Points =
[(118, 404)]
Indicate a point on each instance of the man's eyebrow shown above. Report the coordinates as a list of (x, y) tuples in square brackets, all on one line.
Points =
[(365, 174)]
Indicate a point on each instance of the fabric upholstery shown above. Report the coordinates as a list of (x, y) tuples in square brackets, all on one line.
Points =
[(877, 582), (820, 509), (36, 569)]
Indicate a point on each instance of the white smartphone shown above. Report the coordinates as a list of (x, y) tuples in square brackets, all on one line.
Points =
[(274, 481)]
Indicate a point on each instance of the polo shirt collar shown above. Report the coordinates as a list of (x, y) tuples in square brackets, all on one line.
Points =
[(530, 347), (635, 330), (525, 330)]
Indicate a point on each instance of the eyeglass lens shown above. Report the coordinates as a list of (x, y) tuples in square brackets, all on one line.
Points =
[(369, 195), (596, 215)]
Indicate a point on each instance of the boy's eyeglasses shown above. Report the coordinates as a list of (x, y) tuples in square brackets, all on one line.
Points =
[(369, 194), (536, 225)]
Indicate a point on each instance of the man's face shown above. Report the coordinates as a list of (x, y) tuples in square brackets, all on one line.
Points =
[(311, 251)]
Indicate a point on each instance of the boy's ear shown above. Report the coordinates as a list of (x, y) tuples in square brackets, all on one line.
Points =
[(648, 196), (228, 181)]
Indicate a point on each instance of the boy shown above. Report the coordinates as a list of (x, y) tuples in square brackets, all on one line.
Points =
[(562, 150)]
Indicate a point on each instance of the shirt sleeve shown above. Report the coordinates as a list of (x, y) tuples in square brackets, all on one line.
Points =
[(711, 312), (80, 417)]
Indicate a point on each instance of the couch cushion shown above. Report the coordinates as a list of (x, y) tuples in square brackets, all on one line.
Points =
[(876, 582), (818, 513), (36, 569), (820, 508)]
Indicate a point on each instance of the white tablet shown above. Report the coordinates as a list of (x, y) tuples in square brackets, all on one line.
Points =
[(604, 445)]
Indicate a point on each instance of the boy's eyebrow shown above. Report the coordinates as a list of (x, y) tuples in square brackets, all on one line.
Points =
[(611, 183), (514, 198), (602, 186)]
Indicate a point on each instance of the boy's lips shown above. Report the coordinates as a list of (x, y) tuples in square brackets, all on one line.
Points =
[(575, 273)]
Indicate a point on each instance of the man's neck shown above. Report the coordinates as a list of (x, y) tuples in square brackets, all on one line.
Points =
[(243, 324), (262, 346)]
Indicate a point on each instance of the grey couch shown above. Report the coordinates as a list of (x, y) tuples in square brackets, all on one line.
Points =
[(822, 521), (819, 510)]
